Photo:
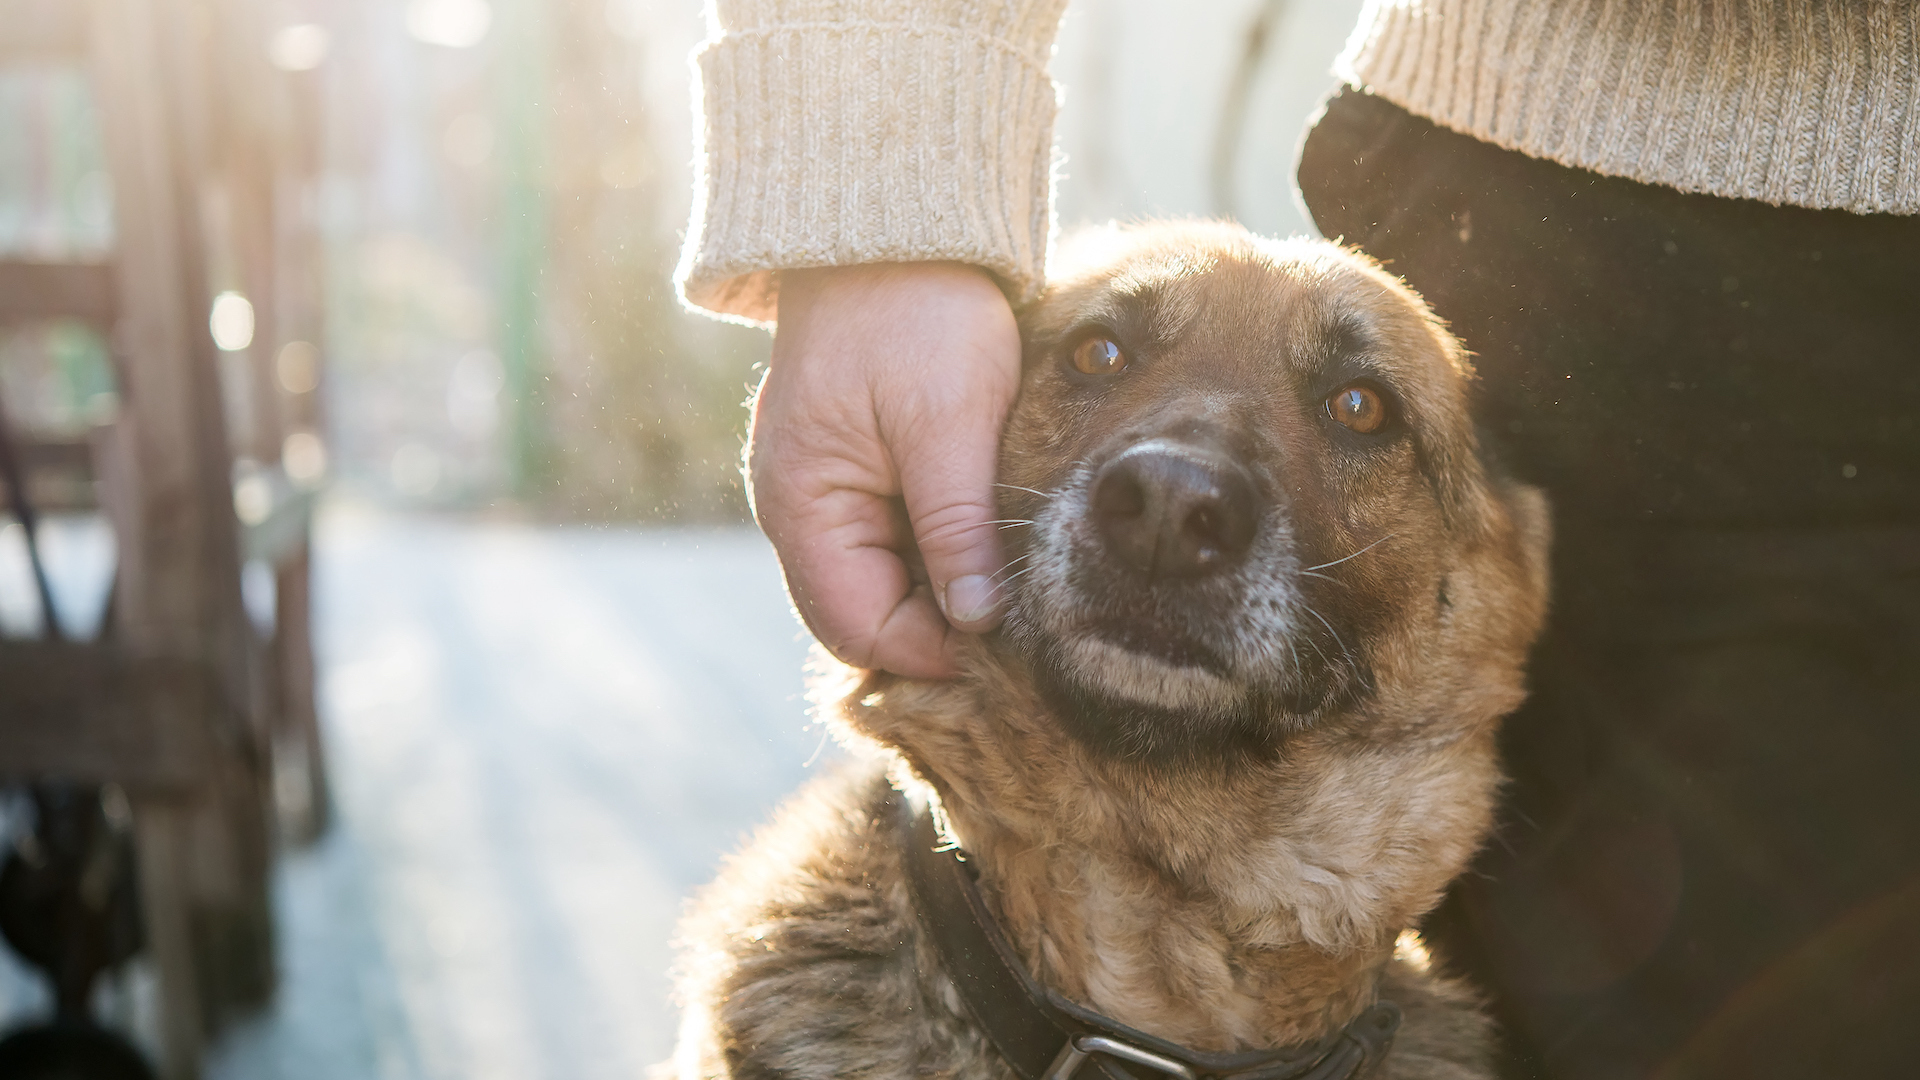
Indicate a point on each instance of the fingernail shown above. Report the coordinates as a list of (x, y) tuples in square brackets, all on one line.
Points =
[(971, 598)]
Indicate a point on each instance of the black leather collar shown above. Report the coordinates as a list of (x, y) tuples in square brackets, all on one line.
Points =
[(1046, 1037)]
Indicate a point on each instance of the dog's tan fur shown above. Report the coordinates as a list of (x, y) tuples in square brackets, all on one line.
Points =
[(1227, 899)]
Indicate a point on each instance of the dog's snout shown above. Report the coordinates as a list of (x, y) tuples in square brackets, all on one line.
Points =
[(1174, 514)]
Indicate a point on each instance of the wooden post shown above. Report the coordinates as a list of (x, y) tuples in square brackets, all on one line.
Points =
[(161, 828), (299, 723), (205, 851)]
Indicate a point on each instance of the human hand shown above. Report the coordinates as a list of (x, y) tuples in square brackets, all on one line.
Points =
[(873, 444)]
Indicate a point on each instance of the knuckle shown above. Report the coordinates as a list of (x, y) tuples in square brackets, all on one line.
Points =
[(847, 639), (855, 652)]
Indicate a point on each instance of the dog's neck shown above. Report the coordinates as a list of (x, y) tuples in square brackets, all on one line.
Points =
[(1123, 932), (1238, 908)]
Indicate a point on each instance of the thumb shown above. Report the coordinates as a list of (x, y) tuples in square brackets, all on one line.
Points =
[(946, 479), (940, 402), (945, 454)]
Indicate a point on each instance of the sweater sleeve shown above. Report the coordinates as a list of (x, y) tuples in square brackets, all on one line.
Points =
[(839, 132)]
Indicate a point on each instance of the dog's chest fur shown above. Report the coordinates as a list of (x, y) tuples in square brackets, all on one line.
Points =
[(818, 966)]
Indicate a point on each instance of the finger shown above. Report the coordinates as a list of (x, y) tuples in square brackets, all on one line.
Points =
[(818, 490), (841, 557)]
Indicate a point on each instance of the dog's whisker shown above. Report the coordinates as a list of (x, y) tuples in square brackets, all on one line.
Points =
[(1011, 523), (1356, 554), (1030, 491), (1016, 561), (1019, 575), (1348, 653), (825, 731), (1323, 577), (1320, 651)]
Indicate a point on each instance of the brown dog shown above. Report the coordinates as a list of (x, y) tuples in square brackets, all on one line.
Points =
[(1237, 735)]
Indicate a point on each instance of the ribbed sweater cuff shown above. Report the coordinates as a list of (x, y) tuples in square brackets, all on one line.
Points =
[(1811, 103), (834, 145)]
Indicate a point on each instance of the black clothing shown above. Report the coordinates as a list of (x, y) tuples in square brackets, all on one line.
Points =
[(1709, 858)]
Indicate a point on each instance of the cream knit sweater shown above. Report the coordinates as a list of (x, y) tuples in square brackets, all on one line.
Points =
[(848, 131)]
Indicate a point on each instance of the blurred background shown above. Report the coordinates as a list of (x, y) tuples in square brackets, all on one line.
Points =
[(457, 481)]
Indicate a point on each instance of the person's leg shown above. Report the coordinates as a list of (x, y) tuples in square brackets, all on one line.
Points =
[(1709, 863)]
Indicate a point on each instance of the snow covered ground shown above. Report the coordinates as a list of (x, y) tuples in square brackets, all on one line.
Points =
[(541, 739)]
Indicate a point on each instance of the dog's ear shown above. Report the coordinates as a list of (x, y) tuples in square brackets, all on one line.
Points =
[(1530, 532)]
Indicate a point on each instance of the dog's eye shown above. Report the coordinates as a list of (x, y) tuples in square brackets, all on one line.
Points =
[(1099, 356), (1358, 407)]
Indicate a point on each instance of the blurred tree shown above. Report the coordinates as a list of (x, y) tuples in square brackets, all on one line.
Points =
[(504, 224), (637, 402)]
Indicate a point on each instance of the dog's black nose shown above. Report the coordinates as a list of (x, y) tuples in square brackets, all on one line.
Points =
[(1174, 513)]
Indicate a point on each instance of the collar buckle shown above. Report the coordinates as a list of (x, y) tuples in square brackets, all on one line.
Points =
[(1081, 1047)]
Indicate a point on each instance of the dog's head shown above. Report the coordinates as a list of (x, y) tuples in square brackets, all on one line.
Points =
[(1245, 496)]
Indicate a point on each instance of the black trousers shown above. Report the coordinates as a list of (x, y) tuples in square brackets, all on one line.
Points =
[(1709, 859)]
